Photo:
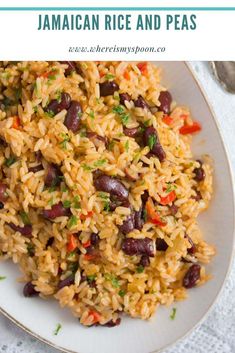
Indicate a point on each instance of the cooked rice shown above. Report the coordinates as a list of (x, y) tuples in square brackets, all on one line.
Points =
[(25, 90)]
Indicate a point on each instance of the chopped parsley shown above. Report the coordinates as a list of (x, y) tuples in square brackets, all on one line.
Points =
[(58, 96), (67, 204), (51, 201), (112, 279), (31, 249), (145, 216), (147, 123), (49, 114), (71, 255), (92, 114), (73, 266), (173, 313), (109, 76), (91, 278), (170, 187), (51, 189), (72, 221), (66, 139), (107, 206), (122, 293), (83, 132), (152, 139), (105, 197), (140, 269), (119, 110), (10, 161), (2, 278), (57, 330), (25, 218), (100, 162), (127, 146), (76, 202), (111, 145), (86, 167)]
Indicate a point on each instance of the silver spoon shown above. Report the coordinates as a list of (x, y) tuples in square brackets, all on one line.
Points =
[(224, 71)]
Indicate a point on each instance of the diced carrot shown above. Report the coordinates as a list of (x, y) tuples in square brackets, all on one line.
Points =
[(168, 199), (87, 244), (190, 129), (16, 123), (126, 75), (72, 244), (143, 67), (89, 214), (168, 120), (101, 73), (154, 217), (89, 257), (96, 316)]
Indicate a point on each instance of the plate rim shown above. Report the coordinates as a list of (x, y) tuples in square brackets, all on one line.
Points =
[(232, 256)]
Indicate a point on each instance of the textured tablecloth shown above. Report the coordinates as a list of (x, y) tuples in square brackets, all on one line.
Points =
[(217, 333)]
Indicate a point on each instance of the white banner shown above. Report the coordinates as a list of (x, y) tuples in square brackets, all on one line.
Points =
[(190, 31)]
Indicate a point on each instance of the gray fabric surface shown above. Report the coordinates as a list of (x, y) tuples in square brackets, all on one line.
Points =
[(217, 333)]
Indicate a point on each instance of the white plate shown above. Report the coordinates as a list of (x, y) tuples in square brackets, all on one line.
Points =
[(40, 317)]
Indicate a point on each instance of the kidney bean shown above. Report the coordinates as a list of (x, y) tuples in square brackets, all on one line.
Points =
[(94, 137), (161, 245), (144, 261), (50, 241), (198, 196), (157, 150), (36, 169), (141, 103), (66, 282), (192, 249), (94, 238), (52, 177), (29, 290), (38, 156), (128, 225), (138, 218), (71, 67), (55, 106), (73, 116), (199, 174), (131, 246), (192, 276), (1, 205), (133, 132), (57, 210), (108, 88), (111, 185), (144, 197), (124, 97), (3, 192), (26, 230), (165, 100), (112, 323), (173, 209)]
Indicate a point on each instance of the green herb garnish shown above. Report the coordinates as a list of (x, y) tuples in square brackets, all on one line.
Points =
[(100, 162), (140, 269), (124, 119), (73, 266), (10, 161), (145, 216), (112, 279), (170, 187), (109, 76), (64, 188), (127, 146), (103, 195), (50, 114), (86, 167), (67, 204), (51, 201), (118, 109), (2, 278), (173, 313), (91, 278), (152, 139), (58, 96), (71, 255), (58, 328), (72, 221), (76, 202), (25, 218), (122, 293), (66, 139), (83, 132), (31, 249), (92, 114)]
